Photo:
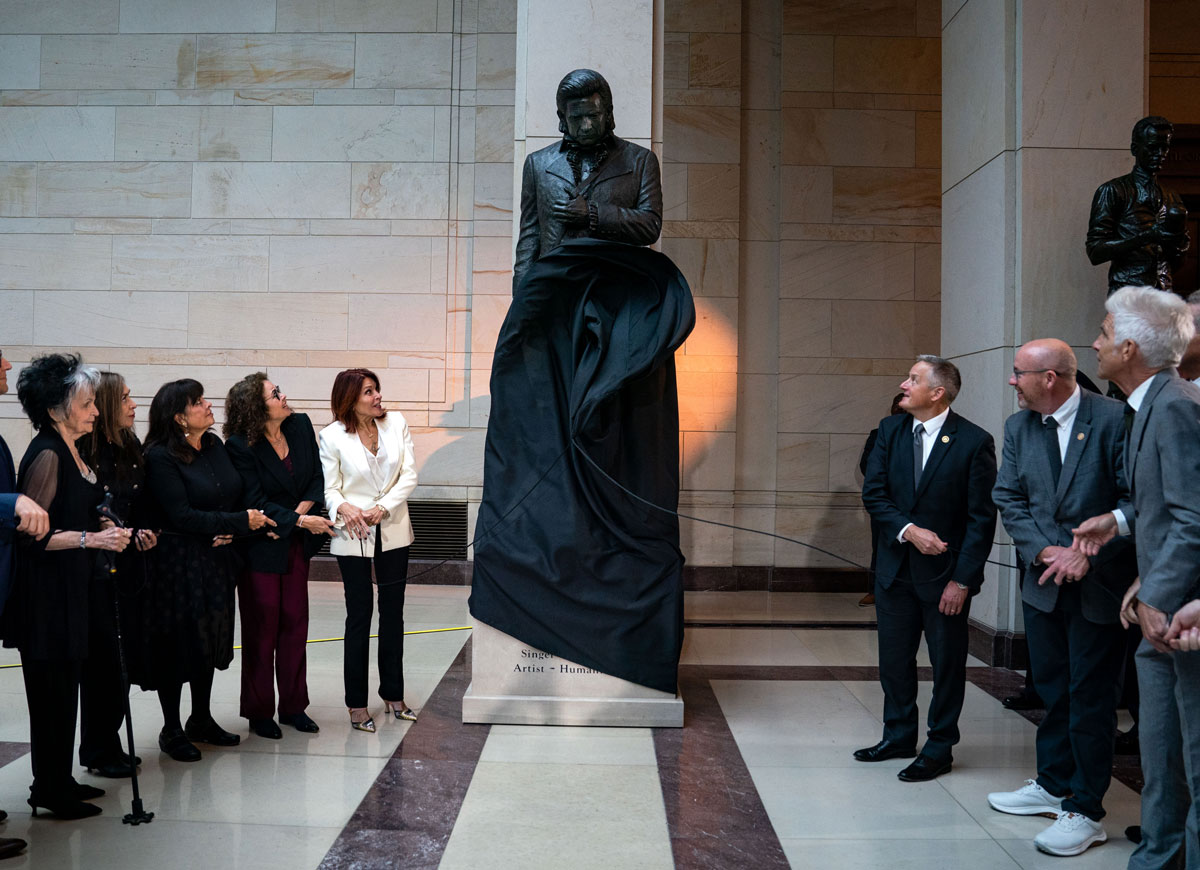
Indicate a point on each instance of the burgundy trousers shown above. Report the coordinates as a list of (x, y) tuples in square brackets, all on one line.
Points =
[(274, 610)]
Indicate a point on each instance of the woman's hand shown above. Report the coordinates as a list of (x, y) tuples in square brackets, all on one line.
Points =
[(112, 539), (222, 540), (258, 519), (356, 523), (146, 540), (315, 525), (374, 516)]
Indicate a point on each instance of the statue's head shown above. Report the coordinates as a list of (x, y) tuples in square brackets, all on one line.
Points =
[(1150, 142), (585, 107)]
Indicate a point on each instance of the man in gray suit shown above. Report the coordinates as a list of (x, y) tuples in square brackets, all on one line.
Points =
[(1140, 343), (1063, 462)]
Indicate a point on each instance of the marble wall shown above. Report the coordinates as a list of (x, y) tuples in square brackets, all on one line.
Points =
[(801, 176), (209, 188)]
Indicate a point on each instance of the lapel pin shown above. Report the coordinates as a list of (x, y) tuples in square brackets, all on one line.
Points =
[(945, 439), (1079, 436)]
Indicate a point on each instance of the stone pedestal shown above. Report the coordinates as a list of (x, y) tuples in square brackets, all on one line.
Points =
[(514, 684)]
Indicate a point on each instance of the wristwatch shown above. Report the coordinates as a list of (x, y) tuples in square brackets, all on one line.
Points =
[(961, 585)]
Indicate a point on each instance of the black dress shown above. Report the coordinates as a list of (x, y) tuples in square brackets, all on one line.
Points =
[(188, 603)]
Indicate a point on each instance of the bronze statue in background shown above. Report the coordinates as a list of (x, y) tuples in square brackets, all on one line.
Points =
[(589, 185), (1135, 224)]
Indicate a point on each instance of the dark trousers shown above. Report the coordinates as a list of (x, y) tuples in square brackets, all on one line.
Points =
[(274, 611), (1077, 664), (101, 691), (391, 569), (52, 693), (903, 611)]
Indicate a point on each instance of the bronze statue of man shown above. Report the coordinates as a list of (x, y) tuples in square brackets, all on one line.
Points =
[(1135, 224), (591, 184)]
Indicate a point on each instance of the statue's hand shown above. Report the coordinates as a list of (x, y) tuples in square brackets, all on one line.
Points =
[(573, 212), (1168, 239)]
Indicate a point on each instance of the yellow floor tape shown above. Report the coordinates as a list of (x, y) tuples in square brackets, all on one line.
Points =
[(334, 639)]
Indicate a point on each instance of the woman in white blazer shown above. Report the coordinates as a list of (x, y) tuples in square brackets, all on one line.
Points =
[(370, 471)]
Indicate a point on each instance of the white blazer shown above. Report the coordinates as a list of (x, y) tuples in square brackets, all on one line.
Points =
[(348, 479)]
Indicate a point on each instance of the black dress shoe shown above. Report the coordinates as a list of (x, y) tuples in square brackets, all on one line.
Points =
[(63, 808), (300, 722), (3, 815), (883, 750), (1134, 833), (925, 769), (266, 728), (201, 731), (1023, 701), (116, 768), (176, 745), (10, 846), (1127, 742)]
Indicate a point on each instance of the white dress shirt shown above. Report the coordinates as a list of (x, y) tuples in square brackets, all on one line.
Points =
[(933, 428), (1065, 417)]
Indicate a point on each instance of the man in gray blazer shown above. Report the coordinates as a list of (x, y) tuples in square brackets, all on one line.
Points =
[(1063, 462), (1140, 343)]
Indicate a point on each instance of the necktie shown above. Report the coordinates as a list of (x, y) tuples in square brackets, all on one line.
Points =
[(1129, 415), (918, 453), (1050, 432)]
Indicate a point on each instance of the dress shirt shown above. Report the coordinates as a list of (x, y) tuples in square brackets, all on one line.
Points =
[(1196, 381), (1064, 415), (933, 428), (1135, 398)]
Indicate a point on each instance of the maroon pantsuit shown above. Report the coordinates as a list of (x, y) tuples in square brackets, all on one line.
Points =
[(274, 611)]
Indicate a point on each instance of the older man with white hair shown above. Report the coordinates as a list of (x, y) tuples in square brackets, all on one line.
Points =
[(1141, 342)]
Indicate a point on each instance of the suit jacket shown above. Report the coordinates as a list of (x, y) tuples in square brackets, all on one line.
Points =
[(271, 488), (953, 499), (8, 521), (626, 191), (348, 479), (1164, 482), (1039, 513)]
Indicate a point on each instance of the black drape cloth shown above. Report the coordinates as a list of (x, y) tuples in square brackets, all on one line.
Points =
[(564, 560)]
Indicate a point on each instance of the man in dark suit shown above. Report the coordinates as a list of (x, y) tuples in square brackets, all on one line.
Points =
[(1140, 343), (18, 513), (929, 486), (1063, 462), (591, 184)]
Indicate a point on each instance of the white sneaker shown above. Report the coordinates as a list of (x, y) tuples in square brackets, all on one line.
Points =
[(1070, 835), (1029, 800)]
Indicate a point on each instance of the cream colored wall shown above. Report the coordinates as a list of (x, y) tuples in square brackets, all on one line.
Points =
[(826, 252), (211, 187)]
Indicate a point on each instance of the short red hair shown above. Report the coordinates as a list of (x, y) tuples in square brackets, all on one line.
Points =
[(347, 387)]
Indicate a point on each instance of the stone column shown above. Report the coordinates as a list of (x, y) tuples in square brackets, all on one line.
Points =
[(1039, 97)]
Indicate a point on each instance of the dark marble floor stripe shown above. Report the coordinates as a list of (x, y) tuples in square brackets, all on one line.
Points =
[(844, 626), (407, 816), (10, 751), (714, 814)]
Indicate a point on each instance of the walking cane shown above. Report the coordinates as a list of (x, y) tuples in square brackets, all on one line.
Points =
[(138, 814)]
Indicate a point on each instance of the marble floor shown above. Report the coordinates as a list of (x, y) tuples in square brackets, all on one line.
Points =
[(779, 688)]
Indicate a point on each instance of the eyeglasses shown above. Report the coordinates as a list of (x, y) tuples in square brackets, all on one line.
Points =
[(276, 393)]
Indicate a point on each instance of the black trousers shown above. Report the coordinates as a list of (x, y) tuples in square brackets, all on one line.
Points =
[(904, 611), (52, 693), (1077, 664), (101, 692), (391, 569)]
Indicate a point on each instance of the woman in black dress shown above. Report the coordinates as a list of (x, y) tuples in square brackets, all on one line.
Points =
[(199, 502), (275, 451), (115, 454), (50, 614)]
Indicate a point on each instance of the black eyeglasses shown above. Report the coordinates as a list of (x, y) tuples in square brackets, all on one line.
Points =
[(276, 393)]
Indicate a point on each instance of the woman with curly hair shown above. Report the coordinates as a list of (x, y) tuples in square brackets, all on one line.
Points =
[(50, 615), (275, 451), (189, 606), (115, 453)]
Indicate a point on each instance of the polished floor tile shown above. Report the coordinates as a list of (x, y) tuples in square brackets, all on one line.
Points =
[(549, 744), (561, 815), (931, 854), (748, 646)]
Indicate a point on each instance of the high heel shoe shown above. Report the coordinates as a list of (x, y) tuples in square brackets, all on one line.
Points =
[(400, 710), (365, 723), (64, 808)]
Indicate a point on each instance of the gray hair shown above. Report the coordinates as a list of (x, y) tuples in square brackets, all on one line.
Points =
[(85, 378), (944, 374), (1158, 322), (1194, 300)]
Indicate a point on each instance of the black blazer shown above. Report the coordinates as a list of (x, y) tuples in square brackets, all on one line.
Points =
[(270, 488), (953, 499)]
